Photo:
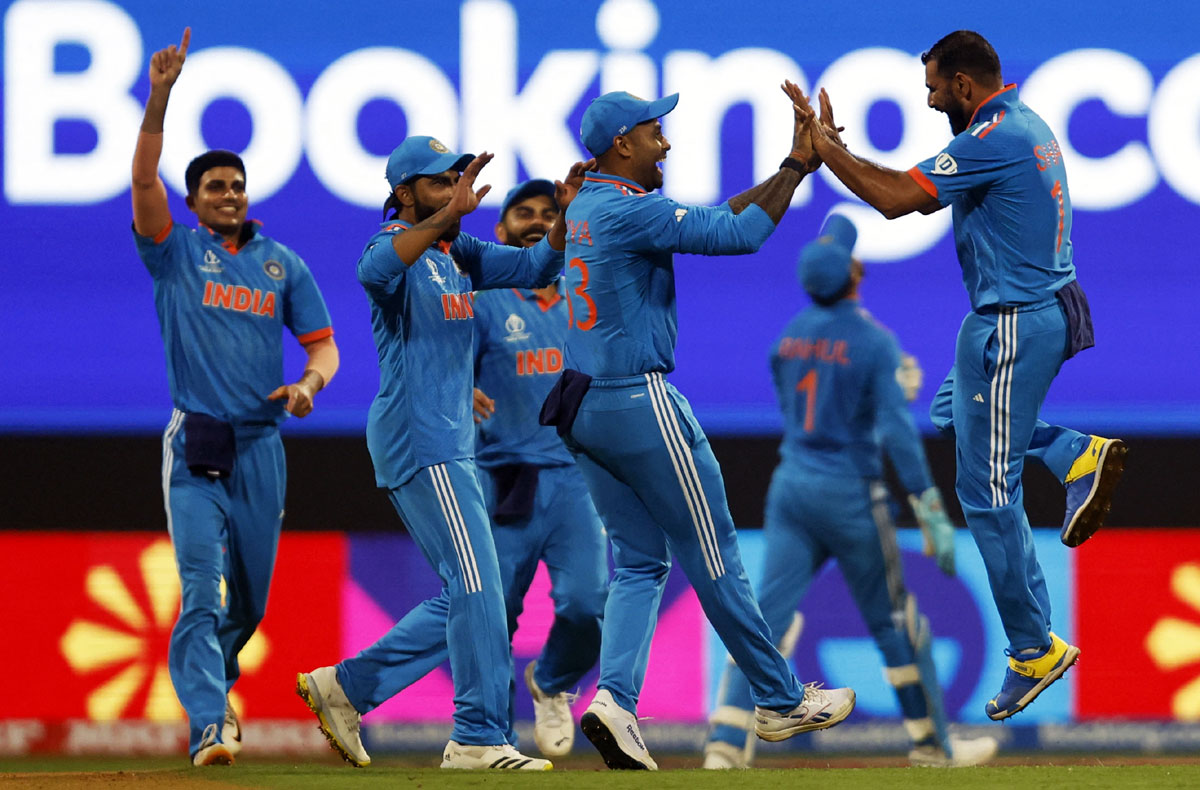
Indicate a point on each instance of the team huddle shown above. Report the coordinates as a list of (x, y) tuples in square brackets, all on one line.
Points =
[(524, 415)]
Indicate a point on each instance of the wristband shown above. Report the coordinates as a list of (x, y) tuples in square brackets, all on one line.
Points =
[(794, 164)]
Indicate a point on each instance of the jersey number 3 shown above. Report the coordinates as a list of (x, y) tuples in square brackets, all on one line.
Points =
[(581, 291)]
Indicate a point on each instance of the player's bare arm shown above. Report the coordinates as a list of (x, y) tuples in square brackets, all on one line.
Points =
[(892, 193), (323, 361), (775, 194), (151, 214), (564, 192), (410, 244)]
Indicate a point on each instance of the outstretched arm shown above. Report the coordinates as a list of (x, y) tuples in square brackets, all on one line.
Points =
[(564, 193), (892, 193), (410, 244), (151, 214)]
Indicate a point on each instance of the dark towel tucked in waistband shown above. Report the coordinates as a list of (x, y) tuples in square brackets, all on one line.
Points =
[(1079, 318), (516, 487), (208, 445), (562, 404)]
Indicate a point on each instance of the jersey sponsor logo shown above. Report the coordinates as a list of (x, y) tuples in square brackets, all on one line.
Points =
[(1048, 154), (577, 233), (944, 165), (457, 307), (434, 274), (680, 213), (821, 350), (212, 263), (274, 269), (515, 326), (542, 360), (239, 298)]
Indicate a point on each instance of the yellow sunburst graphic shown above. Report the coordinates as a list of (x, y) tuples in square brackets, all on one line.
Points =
[(1173, 643), (93, 647)]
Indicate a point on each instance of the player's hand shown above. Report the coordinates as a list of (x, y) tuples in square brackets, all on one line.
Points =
[(166, 64), (935, 527), (299, 397), (804, 121), (909, 376), (828, 125), (483, 406), (465, 197), (566, 190)]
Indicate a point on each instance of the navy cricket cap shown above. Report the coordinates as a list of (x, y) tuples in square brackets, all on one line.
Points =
[(422, 156), (824, 268), (527, 189), (616, 113)]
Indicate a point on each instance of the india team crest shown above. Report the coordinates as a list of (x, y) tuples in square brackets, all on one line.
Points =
[(274, 270), (437, 145), (516, 328)]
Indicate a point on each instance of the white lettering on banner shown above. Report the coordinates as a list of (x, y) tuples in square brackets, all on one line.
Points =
[(1125, 86), (1174, 121), (17, 736), (35, 97), (426, 96), (711, 86), (529, 123), (856, 82)]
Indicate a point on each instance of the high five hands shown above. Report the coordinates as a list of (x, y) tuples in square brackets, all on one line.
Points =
[(810, 129)]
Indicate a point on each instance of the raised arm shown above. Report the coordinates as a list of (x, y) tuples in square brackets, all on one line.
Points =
[(410, 244), (151, 214), (892, 193), (775, 194), (564, 192)]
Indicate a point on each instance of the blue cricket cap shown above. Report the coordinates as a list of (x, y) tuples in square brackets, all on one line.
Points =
[(422, 156), (526, 189), (824, 268), (616, 113)]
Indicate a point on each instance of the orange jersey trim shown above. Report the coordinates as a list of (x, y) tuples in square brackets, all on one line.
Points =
[(1007, 87), (312, 337), (923, 181), (161, 236), (619, 184), (995, 123)]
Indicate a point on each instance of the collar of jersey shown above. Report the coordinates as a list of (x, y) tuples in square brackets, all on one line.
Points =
[(617, 181), (249, 230), (1002, 98), (393, 224)]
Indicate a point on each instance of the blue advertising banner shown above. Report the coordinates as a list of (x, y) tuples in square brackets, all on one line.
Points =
[(315, 97)]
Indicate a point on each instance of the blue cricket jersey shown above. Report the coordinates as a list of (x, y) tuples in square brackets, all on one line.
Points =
[(518, 357), (1004, 176), (620, 275), (422, 317), (222, 311), (835, 371)]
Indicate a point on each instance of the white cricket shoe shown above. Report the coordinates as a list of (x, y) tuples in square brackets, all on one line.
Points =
[(231, 730), (615, 734), (340, 722), (820, 708), (963, 751), (553, 725), (502, 757), (211, 752), (721, 756)]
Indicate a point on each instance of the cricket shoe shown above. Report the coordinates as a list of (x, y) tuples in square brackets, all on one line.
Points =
[(340, 722), (211, 751), (1090, 485), (963, 752), (553, 725), (231, 730), (721, 756), (819, 709), (1025, 679), (615, 734), (503, 757)]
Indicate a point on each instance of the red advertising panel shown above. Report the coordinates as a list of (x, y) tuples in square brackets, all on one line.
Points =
[(88, 617), (1137, 602)]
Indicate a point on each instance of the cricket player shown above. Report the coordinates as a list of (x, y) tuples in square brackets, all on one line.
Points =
[(837, 375), (538, 501), (1004, 175), (223, 294), (647, 463), (419, 273)]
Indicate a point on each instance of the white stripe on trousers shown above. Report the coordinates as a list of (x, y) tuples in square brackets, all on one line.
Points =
[(1001, 411), (685, 471), (458, 528), (168, 462)]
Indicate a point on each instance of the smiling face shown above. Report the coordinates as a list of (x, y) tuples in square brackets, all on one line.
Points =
[(429, 194), (220, 200), (646, 148), (525, 223)]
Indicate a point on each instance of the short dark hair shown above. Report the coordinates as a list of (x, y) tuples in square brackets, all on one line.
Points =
[(965, 51), (218, 157)]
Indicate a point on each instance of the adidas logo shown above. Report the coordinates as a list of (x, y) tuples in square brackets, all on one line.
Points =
[(978, 397)]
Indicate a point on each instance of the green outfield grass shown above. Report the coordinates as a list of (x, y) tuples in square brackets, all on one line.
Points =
[(584, 772)]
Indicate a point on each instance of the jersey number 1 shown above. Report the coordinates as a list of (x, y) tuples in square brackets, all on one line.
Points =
[(808, 385)]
